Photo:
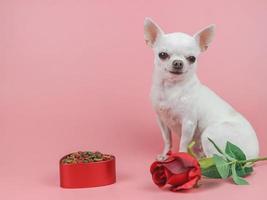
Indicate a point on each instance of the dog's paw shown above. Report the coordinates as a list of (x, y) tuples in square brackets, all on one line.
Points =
[(161, 157)]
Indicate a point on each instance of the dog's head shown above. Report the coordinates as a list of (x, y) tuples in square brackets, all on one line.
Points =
[(176, 54)]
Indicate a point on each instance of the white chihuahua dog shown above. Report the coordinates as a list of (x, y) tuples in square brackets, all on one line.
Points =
[(183, 103)]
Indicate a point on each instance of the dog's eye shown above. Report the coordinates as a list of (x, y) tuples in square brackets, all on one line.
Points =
[(191, 59), (163, 55)]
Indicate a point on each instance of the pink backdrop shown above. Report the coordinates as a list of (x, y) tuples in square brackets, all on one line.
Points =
[(76, 75)]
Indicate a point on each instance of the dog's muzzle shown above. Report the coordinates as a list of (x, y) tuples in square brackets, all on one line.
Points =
[(177, 67)]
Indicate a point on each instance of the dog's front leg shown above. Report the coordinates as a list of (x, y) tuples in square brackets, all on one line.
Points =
[(188, 130), (166, 134)]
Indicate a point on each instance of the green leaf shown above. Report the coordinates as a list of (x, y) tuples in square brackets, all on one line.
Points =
[(217, 148), (209, 169), (237, 179), (222, 166), (206, 162), (242, 170), (234, 151), (210, 172)]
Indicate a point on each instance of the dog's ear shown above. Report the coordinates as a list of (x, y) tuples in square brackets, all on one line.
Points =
[(205, 36), (152, 32)]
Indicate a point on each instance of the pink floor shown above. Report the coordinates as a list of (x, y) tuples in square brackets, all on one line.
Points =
[(76, 75), (134, 182)]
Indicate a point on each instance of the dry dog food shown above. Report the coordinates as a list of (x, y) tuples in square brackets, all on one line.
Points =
[(85, 157)]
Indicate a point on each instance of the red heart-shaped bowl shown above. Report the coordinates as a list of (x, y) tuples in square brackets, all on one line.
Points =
[(83, 175)]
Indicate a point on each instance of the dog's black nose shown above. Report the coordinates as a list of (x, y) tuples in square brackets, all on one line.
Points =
[(178, 64)]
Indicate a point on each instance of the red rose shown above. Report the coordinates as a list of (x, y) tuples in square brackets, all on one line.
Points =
[(180, 170)]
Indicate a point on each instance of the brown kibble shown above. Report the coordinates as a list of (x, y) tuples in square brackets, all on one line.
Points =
[(85, 157)]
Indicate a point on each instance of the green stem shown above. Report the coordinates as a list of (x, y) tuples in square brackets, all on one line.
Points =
[(253, 160), (234, 161)]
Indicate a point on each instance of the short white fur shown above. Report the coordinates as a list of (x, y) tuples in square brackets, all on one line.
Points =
[(184, 105)]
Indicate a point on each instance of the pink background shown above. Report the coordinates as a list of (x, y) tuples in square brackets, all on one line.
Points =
[(76, 75)]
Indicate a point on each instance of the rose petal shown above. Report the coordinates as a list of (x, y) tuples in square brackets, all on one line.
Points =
[(186, 159), (187, 185), (178, 179), (159, 178), (194, 172), (176, 166), (154, 166)]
